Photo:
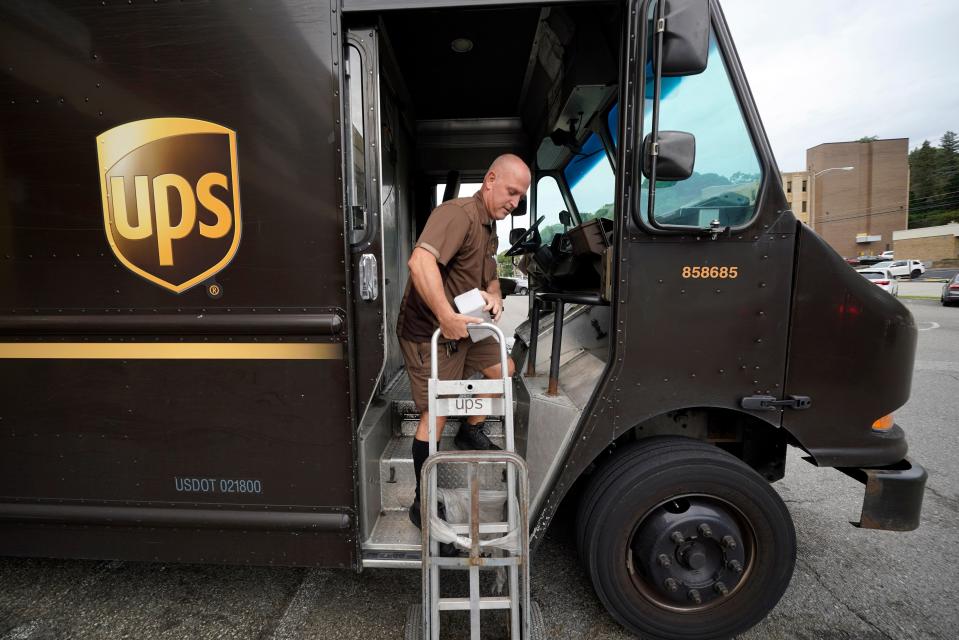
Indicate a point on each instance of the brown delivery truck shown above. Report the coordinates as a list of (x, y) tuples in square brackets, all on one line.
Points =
[(206, 210)]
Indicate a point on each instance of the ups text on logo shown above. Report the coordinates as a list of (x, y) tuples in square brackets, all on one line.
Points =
[(171, 203)]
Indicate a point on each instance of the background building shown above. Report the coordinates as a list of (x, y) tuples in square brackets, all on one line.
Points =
[(796, 186), (939, 245), (859, 193)]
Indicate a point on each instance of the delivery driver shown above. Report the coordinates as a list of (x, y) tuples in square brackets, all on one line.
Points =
[(454, 254)]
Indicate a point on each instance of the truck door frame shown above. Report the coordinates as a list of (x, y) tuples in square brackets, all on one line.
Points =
[(603, 420), (368, 315)]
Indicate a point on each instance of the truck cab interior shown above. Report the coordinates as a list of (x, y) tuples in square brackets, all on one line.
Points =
[(433, 96)]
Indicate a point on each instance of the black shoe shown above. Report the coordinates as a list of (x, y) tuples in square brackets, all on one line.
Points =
[(447, 549), (416, 517), (472, 437)]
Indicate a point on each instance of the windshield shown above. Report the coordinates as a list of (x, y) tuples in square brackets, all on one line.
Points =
[(549, 204), (591, 180), (726, 177)]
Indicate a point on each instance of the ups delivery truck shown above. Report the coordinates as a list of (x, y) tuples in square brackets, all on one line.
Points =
[(206, 212)]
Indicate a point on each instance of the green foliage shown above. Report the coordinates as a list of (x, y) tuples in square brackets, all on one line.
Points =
[(933, 219), (504, 266), (868, 139), (934, 182)]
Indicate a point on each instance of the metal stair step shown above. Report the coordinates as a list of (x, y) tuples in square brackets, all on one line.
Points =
[(397, 484), (408, 426), (394, 532)]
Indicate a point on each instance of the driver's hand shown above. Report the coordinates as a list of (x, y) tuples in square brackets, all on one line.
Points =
[(494, 304), (453, 326)]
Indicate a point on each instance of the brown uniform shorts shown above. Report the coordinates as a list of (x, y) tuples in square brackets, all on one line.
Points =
[(469, 358)]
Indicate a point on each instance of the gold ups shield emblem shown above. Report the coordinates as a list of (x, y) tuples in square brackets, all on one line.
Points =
[(171, 201)]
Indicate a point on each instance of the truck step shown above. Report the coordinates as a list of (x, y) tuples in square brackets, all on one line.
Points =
[(397, 483), (394, 533), (408, 423)]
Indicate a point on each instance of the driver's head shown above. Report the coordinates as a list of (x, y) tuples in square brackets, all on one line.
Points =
[(506, 182)]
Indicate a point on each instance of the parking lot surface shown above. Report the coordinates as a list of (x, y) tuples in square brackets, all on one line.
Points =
[(848, 583)]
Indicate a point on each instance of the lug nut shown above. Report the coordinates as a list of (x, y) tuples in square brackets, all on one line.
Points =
[(694, 596), (677, 537), (735, 566), (705, 531), (671, 584), (720, 588), (729, 542), (664, 561)]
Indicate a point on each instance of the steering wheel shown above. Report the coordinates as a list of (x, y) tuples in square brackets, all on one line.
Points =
[(517, 247)]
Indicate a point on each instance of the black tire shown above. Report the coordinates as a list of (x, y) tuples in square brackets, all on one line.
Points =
[(649, 486), (414, 622), (522, 292), (601, 480), (537, 626), (915, 274)]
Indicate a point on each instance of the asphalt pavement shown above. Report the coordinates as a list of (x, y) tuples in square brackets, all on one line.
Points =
[(848, 583), (939, 274)]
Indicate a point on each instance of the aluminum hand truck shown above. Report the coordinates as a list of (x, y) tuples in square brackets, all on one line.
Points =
[(458, 398)]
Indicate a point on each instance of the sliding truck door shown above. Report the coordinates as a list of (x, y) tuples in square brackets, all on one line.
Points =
[(174, 382), (365, 219)]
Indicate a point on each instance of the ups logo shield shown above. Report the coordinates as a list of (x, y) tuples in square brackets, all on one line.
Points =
[(171, 202)]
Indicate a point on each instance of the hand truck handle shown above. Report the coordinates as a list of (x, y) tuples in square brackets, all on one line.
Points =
[(434, 342)]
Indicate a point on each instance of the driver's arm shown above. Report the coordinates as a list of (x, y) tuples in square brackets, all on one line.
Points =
[(429, 284)]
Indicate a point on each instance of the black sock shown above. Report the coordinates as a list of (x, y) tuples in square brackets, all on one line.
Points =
[(421, 451)]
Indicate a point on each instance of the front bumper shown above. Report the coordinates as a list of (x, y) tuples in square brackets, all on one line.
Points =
[(893, 499)]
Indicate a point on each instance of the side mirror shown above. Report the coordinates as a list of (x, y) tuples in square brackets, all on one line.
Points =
[(520, 209), (686, 37), (676, 155), (516, 234)]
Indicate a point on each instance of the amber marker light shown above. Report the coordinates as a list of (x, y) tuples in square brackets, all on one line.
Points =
[(883, 424)]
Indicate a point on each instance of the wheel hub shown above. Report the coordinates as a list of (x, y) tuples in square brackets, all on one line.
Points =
[(689, 552)]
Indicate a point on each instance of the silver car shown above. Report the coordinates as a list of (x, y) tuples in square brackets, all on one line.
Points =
[(950, 292)]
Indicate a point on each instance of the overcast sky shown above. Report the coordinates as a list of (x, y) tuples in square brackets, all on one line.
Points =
[(837, 70)]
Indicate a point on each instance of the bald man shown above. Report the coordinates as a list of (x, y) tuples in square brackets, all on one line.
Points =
[(456, 253)]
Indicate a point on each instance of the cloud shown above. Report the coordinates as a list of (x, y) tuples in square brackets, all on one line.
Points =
[(826, 71)]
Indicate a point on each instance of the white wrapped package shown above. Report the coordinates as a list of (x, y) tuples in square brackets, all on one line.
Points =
[(471, 303), (457, 503)]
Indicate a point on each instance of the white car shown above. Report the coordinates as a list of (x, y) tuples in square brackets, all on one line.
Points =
[(882, 278), (887, 255), (899, 268)]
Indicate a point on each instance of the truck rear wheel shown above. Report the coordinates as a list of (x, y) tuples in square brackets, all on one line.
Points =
[(683, 540)]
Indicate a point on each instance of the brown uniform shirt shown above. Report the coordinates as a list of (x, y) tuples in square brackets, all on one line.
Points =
[(461, 235)]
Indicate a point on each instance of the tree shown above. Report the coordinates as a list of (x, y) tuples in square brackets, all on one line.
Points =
[(934, 182), (504, 266), (922, 167), (868, 139), (948, 170), (949, 143)]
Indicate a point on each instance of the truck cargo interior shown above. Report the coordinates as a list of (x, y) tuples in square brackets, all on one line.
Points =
[(435, 95)]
